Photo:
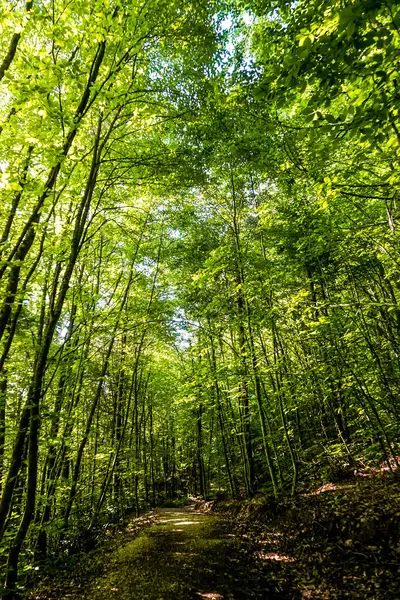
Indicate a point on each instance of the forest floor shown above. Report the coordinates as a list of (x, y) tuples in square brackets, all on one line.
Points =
[(181, 555), (337, 542)]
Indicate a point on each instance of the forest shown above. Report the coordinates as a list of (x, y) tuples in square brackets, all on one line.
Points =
[(199, 257)]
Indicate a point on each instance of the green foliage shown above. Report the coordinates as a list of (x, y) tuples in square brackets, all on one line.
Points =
[(198, 257)]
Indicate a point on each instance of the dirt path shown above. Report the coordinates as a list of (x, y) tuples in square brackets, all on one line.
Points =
[(338, 542), (183, 556)]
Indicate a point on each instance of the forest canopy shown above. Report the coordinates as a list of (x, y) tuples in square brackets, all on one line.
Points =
[(199, 256)]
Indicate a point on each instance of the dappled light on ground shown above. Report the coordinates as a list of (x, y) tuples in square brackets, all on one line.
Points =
[(183, 555), (274, 556), (338, 544), (329, 487), (340, 541)]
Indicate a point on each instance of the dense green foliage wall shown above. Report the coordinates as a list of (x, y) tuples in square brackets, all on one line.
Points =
[(198, 257)]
